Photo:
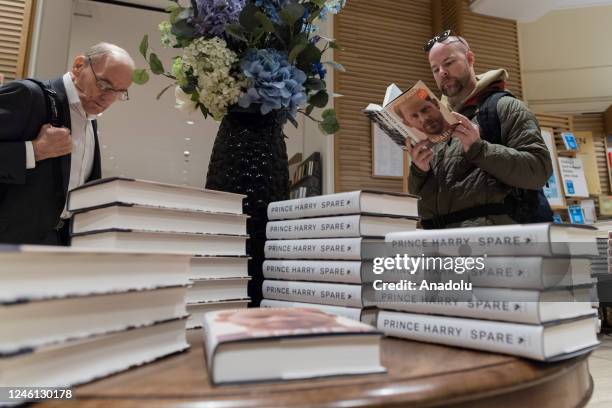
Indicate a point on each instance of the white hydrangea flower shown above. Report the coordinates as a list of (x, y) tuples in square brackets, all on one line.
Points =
[(168, 39), (210, 61)]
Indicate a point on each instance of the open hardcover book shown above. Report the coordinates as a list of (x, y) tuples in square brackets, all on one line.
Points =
[(416, 115)]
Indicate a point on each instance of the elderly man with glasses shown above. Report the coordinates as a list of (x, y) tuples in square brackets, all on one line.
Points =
[(491, 172), (49, 143)]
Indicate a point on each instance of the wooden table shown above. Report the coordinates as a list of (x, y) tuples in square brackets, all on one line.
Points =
[(420, 375)]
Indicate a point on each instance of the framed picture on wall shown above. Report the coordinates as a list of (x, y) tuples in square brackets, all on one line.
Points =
[(553, 189), (387, 156)]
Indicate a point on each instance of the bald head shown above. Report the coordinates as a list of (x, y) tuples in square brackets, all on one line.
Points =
[(102, 76), (106, 50), (452, 65)]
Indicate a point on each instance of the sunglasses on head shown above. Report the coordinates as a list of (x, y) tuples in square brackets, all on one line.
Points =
[(441, 38)]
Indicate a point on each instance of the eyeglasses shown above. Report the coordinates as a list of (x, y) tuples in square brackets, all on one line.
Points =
[(107, 87), (441, 38)]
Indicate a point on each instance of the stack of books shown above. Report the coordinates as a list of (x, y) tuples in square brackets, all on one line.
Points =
[(153, 217), (69, 316), (319, 248), (527, 290)]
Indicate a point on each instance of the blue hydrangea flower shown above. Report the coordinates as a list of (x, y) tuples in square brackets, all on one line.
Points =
[(213, 15), (272, 82), (271, 8)]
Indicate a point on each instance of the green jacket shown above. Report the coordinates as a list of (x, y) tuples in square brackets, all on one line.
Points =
[(487, 172)]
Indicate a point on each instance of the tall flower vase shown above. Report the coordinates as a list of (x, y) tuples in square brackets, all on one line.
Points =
[(250, 157)]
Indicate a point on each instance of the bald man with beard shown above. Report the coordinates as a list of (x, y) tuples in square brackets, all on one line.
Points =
[(469, 181)]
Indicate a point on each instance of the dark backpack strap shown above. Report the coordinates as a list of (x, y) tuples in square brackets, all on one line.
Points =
[(52, 102), (487, 116)]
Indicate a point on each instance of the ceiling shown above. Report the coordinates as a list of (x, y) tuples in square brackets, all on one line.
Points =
[(528, 10)]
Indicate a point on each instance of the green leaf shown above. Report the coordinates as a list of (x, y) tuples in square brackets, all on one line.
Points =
[(309, 56), (204, 111), (295, 51), (140, 76), (159, 95), (236, 31), (335, 45), (174, 14), (172, 6), (144, 46), (182, 29), (293, 121), (291, 13), (319, 3), (265, 22), (329, 125), (156, 65), (314, 84), (336, 65), (319, 99), (248, 17), (309, 109)]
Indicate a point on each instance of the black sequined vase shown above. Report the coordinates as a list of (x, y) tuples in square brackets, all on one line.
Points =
[(250, 157)]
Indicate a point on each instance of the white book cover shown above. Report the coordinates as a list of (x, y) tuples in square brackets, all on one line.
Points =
[(544, 343), (510, 305), (148, 218), (134, 191), (338, 227), (69, 271), (353, 202), (334, 294), (80, 361), (544, 239), (37, 323), (326, 248), (313, 270)]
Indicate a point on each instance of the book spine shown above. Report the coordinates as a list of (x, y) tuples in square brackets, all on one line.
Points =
[(507, 311), (508, 338), (528, 239), (323, 271), (333, 294), (325, 227), (333, 204), (517, 273), (340, 248), (350, 312)]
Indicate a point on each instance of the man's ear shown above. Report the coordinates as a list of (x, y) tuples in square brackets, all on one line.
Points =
[(471, 58), (80, 62)]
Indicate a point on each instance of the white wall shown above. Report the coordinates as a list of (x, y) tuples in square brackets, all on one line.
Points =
[(314, 140), (51, 38), (567, 60), (143, 137)]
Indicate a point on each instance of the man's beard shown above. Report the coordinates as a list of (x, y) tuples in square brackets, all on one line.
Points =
[(452, 86), (433, 127)]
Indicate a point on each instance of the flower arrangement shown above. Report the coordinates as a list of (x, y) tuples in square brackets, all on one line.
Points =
[(247, 55)]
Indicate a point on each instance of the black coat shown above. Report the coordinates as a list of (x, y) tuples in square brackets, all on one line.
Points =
[(31, 201)]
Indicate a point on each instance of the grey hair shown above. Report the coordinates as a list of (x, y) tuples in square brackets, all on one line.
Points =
[(101, 49)]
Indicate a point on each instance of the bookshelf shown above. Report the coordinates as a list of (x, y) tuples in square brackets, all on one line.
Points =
[(307, 179)]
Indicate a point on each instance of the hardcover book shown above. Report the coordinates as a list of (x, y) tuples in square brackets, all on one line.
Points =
[(287, 344), (149, 193), (552, 342), (415, 115), (366, 202)]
